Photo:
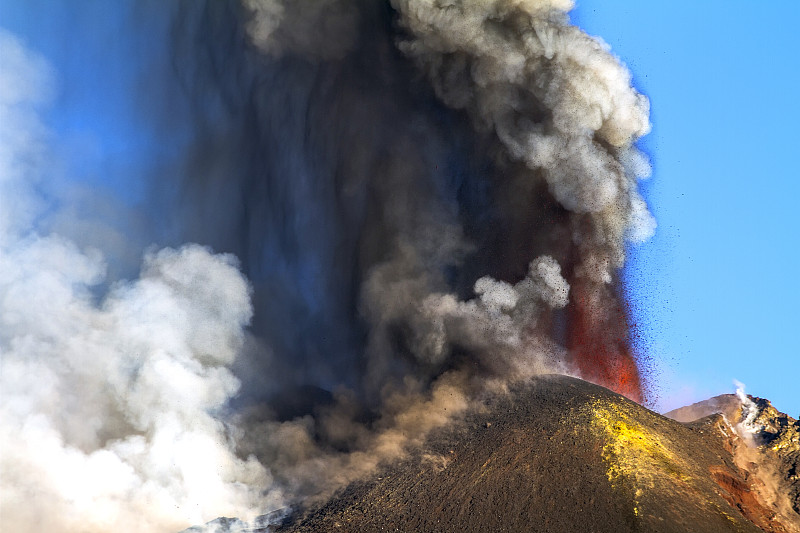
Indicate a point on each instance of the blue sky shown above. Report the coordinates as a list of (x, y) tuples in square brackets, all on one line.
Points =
[(101, 138), (714, 292)]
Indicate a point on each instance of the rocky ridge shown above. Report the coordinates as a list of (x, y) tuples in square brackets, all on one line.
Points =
[(768, 446)]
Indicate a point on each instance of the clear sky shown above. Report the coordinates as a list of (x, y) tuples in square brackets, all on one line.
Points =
[(714, 292)]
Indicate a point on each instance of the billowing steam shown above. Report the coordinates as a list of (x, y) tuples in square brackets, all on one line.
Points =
[(109, 415), (413, 201)]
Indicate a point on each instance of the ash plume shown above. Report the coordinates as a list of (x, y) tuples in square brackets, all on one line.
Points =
[(413, 203), (339, 173)]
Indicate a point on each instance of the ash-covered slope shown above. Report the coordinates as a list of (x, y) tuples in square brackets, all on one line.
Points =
[(558, 454)]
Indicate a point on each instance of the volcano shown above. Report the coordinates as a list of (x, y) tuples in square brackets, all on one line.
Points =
[(559, 454), (347, 242)]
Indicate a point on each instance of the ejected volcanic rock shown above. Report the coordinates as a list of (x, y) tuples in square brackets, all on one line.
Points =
[(558, 454)]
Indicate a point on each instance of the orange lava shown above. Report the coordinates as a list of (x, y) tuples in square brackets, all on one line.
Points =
[(599, 342)]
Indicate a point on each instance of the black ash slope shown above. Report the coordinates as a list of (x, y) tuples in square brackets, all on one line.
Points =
[(558, 455)]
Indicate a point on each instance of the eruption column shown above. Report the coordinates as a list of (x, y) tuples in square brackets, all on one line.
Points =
[(414, 201)]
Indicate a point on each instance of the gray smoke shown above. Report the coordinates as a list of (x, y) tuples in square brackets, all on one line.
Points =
[(405, 196), (555, 98), (412, 191), (322, 29)]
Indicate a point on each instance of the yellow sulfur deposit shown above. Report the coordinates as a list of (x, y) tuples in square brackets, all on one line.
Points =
[(633, 453)]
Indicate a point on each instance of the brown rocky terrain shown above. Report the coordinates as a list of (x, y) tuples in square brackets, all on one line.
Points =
[(768, 447), (558, 454)]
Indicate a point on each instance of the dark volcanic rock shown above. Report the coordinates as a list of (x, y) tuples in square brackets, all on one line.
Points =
[(559, 455)]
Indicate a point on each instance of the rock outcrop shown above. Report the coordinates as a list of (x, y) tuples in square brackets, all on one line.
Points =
[(766, 444)]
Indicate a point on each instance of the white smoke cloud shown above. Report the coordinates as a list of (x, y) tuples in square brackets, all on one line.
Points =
[(26, 85), (109, 418), (746, 426)]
